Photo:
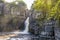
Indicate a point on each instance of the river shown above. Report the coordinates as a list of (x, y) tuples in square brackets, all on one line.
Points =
[(24, 37)]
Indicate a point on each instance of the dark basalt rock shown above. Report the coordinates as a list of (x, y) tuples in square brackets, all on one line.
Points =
[(34, 28)]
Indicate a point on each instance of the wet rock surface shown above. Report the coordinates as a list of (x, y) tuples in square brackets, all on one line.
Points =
[(34, 27), (30, 37)]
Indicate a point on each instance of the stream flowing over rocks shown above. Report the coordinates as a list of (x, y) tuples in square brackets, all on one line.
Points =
[(34, 33)]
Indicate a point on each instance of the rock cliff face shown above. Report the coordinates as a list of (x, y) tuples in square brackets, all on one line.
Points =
[(46, 30), (34, 27), (12, 16)]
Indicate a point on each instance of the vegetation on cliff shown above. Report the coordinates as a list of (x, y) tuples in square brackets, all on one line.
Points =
[(48, 8)]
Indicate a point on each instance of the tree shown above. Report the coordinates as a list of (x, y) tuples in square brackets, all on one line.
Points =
[(12, 15), (49, 8)]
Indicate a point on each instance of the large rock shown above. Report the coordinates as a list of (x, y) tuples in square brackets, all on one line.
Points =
[(34, 28)]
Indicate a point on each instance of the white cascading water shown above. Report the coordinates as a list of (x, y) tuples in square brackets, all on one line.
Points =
[(26, 27)]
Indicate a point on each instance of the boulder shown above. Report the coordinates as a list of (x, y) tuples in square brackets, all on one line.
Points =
[(34, 28)]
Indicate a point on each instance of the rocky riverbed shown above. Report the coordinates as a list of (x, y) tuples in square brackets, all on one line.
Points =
[(18, 37), (24, 37), (6, 37)]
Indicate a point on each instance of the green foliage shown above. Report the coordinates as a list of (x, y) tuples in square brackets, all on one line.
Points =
[(49, 8)]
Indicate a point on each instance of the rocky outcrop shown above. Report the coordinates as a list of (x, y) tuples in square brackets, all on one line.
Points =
[(13, 16), (34, 27)]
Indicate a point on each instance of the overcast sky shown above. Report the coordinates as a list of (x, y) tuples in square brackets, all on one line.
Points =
[(28, 2)]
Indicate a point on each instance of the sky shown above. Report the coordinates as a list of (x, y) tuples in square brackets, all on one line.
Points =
[(27, 2)]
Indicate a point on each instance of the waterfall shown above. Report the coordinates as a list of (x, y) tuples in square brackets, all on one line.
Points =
[(26, 23)]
